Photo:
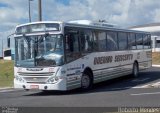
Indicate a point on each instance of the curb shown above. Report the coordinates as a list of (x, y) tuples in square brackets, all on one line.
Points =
[(155, 65), (6, 88)]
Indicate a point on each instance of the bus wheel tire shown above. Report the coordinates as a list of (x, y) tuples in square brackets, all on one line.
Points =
[(135, 71), (86, 81), (45, 91), (26, 89)]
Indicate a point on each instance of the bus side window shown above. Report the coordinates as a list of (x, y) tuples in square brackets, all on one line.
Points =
[(102, 41), (149, 42), (131, 41), (72, 46), (112, 41), (69, 43), (86, 41), (122, 40), (95, 41), (145, 41), (139, 41)]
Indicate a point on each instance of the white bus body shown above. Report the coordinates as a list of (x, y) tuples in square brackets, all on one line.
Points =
[(82, 55)]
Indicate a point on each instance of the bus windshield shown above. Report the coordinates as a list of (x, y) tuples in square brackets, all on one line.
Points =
[(41, 50)]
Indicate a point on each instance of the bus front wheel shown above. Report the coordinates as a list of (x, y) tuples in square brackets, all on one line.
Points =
[(86, 81)]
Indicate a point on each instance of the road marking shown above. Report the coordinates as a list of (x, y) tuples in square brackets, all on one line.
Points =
[(136, 87), (154, 93), (150, 85), (155, 65), (121, 88), (2, 91), (7, 90), (156, 83), (144, 86), (140, 80)]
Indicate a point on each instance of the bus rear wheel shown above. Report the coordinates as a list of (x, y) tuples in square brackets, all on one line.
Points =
[(135, 71), (86, 81)]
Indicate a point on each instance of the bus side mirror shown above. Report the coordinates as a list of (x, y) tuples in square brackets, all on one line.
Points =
[(8, 42)]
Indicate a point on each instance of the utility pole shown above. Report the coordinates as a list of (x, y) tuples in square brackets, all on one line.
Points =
[(40, 10), (2, 46), (29, 10)]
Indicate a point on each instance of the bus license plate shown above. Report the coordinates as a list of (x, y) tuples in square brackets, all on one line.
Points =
[(34, 87)]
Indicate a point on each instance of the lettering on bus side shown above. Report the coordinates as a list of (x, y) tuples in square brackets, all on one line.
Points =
[(102, 60), (125, 57), (109, 59)]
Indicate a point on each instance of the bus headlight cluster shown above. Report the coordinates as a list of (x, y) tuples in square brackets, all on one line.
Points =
[(52, 80), (20, 79)]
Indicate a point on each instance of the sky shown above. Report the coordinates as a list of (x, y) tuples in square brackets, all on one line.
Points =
[(123, 13)]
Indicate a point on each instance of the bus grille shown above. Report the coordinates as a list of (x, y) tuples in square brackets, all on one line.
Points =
[(36, 74), (35, 77)]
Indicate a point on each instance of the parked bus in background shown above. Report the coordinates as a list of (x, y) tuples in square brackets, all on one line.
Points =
[(53, 55)]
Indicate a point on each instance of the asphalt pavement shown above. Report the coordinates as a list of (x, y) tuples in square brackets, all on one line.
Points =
[(121, 92)]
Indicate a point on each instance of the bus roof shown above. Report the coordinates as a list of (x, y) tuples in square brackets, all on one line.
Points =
[(39, 22), (104, 28), (84, 26)]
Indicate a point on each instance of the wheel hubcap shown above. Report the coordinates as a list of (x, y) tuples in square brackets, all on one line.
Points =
[(85, 81)]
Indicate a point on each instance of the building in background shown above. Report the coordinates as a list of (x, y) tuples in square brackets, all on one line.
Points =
[(154, 29), (3, 41), (8, 54)]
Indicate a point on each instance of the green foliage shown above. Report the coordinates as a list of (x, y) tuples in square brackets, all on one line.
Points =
[(6, 73)]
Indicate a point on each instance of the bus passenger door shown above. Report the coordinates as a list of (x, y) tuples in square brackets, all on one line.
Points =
[(72, 55)]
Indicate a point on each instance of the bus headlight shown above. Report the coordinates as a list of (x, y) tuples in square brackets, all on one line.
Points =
[(20, 79), (52, 80), (56, 78)]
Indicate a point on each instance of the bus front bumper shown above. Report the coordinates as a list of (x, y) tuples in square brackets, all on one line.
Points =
[(60, 85)]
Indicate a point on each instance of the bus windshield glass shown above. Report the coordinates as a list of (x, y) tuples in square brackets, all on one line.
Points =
[(41, 50)]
